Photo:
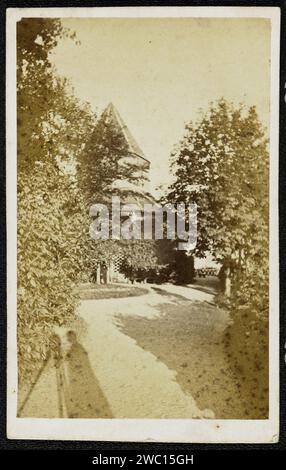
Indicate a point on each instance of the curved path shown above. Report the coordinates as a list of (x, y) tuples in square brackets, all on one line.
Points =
[(159, 355), (136, 384)]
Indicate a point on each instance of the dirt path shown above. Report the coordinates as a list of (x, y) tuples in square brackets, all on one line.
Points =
[(188, 336), (136, 384), (163, 355), (160, 355)]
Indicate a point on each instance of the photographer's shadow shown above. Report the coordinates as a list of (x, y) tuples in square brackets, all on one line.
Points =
[(83, 395)]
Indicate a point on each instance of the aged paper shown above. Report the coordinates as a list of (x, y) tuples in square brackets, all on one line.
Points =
[(142, 203)]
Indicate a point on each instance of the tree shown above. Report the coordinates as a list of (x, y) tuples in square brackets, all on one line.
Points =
[(222, 164), (52, 125), (104, 162), (139, 257)]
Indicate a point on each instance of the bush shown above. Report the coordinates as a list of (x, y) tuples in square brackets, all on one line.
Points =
[(48, 265), (247, 338), (247, 344)]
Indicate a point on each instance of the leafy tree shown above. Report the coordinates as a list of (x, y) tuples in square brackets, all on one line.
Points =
[(103, 163), (139, 257), (52, 125), (222, 164)]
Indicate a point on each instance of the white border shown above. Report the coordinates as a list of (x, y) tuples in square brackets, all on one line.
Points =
[(146, 430)]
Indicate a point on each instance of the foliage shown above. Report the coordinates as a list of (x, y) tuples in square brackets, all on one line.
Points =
[(184, 272), (174, 265), (102, 162), (52, 125), (139, 257), (246, 342), (100, 166), (222, 164)]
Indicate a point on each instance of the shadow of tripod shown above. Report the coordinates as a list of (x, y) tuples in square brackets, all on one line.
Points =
[(79, 394), (55, 355)]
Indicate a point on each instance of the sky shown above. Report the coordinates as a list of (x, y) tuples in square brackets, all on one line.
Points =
[(159, 72)]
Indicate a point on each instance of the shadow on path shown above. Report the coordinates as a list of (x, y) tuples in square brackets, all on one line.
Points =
[(209, 285), (189, 339), (83, 395), (163, 292)]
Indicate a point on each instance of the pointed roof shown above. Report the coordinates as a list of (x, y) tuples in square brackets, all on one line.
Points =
[(110, 114)]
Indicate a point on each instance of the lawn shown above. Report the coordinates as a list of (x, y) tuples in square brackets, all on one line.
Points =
[(108, 291)]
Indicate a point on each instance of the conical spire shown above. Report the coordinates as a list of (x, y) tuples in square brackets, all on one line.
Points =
[(111, 115)]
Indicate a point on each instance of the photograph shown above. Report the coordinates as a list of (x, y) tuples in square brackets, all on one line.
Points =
[(142, 187)]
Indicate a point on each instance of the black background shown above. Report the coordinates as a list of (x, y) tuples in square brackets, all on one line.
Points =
[(36, 453)]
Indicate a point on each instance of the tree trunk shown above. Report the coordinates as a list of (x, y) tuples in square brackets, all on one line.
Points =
[(98, 274), (227, 284), (107, 280), (111, 271)]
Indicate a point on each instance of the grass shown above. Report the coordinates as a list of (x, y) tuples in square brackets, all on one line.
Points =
[(108, 291)]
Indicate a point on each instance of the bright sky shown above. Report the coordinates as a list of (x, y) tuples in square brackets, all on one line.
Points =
[(160, 72)]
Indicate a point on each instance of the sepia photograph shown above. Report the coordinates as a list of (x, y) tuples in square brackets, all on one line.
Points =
[(142, 176)]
